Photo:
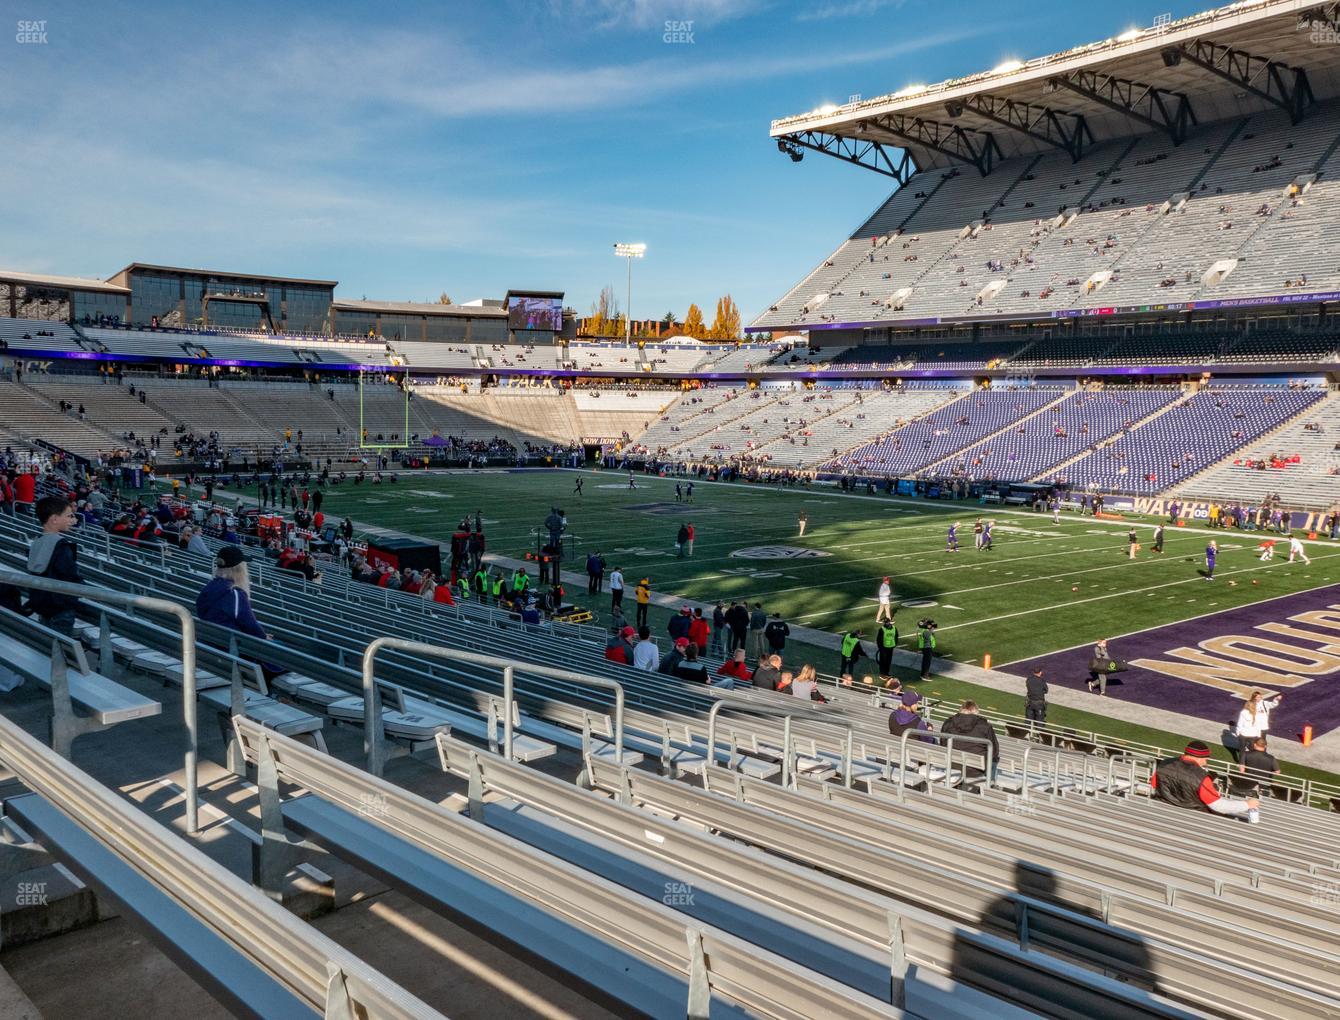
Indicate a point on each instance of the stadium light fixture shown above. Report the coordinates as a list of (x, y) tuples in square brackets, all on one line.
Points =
[(1007, 67), (1130, 35), (629, 252), (826, 109)]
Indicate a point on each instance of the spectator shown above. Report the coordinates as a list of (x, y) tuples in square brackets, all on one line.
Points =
[(699, 629), (775, 634), (670, 661), (645, 653), (806, 685), (54, 556), (679, 625), (1254, 719), (735, 667), (1184, 782), (737, 619), (193, 541), (1257, 766), (690, 668), (226, 600), (968, 723), (617, 647), (905, 718), (768, 674), (758, 622), (718, 627)]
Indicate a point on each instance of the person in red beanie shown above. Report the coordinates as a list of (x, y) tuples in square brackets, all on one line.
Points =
[(1184, 782)]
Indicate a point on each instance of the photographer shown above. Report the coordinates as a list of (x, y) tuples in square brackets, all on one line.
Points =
[(926, 642)]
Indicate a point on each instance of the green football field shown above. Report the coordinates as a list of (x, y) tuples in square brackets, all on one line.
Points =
[(1044, 587)]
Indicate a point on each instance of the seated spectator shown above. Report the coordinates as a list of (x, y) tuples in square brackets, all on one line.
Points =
[(690, 668), (735, 668), (226, 600), (768, 674), (905, 718), (1184, 782), (671, 660), (968, 723), (806, 685)]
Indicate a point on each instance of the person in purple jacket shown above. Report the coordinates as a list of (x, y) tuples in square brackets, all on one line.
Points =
[(1211, 554), (226, 600)]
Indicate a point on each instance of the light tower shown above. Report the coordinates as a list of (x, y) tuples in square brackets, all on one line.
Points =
[(629, 252)]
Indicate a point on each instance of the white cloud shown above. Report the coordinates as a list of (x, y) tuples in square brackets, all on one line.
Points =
[(847, 9), (649, 14)]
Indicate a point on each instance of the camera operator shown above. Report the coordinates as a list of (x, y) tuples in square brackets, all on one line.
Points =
[(926, 642)]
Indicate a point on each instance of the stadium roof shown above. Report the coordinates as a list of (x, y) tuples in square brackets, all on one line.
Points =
[(218, 273), (419, 308), (62, 282), (1221, 63)]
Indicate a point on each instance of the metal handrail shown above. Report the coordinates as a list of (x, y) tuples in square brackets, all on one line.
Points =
[(152, 605), (769, 710), (307, 963), (372, 729)]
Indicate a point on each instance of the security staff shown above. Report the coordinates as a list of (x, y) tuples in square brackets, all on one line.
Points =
[(926, 642), (886, 639), (851, 652)]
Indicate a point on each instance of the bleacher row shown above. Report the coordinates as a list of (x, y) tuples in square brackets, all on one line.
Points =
[(879, 879), (1240, 209)]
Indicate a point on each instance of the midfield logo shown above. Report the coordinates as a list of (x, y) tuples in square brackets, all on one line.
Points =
[(778, 552)]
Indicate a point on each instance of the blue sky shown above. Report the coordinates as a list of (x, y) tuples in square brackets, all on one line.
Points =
[(406, 149)]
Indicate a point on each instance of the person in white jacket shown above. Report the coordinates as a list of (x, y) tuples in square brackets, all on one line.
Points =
[(1254, 719)]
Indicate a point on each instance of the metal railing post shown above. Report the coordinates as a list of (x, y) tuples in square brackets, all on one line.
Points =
[(189, 713), (509, 704), (372, 737)]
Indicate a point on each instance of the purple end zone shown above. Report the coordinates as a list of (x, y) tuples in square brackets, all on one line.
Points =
[(1197, 666)]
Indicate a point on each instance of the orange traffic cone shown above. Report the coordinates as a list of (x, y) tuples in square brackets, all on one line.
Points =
[(1307, 735)]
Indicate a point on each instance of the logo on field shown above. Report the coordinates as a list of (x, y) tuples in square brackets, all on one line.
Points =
[(778, 552)]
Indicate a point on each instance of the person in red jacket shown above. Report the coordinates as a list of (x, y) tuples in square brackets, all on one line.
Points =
[(25, 492), (699, 629), (735, 667)]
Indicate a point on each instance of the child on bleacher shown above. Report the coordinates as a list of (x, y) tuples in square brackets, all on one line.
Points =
[(54, 556)]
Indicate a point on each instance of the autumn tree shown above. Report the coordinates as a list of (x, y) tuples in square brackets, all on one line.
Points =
[(726, 325), (442, 299), (693, 323)]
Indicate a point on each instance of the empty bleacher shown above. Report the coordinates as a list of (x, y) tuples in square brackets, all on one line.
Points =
[(1135, 221), (1269, 467), (1192, 436)]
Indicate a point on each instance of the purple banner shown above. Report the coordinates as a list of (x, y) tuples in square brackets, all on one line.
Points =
[(1206, 667)]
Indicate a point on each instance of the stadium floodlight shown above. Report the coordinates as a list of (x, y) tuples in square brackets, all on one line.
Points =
[(1007, 67), (1130, 35), (629, 252)]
